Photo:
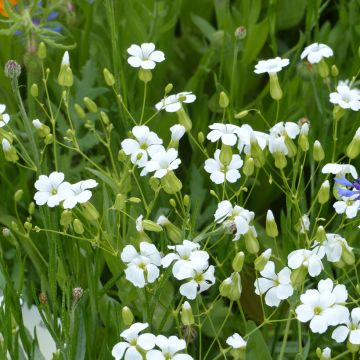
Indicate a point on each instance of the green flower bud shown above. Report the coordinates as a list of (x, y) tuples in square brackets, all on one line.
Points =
[(12, 69), (238, 261), (127, 316), (275, 89), (34, 90), (78, 226), (201, 137), (119, 202), (151, 226), (280, 160), (347, 256), (353, 149), (121, 155), (223, 100), (298, 276), (271, 227), (251, 242), (145, 75), (323, 68), (31, 208), (104, 118), (49, 138), (66, 218), (18, 195), (134, 200), (334, 71), (241, 114), (168, 88), (225, 154), (41, 53), (89, 211), (320, 234), (318, 151), (90, 105), (10, 152), (173, 232), (172, 203), (187, 317), (324, 192), (170, 183), (186, 200), (65, 77), (28, 225), (303, 142), (262, 260), (256, 152), (184, 119), (109, 77), (79, 111), (249, 166), (231, 287)]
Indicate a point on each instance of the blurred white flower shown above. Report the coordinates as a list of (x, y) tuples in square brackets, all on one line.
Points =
[(65, 59), (334, 246), (172, 103), (315, 52), (277, 145), (227, 133), (169, 349), (138, 223), (333, 168), (304, 223), (346, 98), (236, 341), (177, 132), (4, 118), (271, 66), (144, 56), (162, 161), (310, 259), (276, 287), (290, 129), (52, 189), (37, 123), (351, 329), (142, 267), (146, 143), (219, 172), (247, 136), (326, 354), (79, 193), (129, 349), (6, 146), (348, 205)]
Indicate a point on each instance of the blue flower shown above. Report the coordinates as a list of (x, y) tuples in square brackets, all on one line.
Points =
[(347, 188)]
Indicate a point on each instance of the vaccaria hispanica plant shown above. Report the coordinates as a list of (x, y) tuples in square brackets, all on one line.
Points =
[(180, 195)]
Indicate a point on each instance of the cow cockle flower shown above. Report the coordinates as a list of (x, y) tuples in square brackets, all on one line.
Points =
[(162, 162), (173, 103), (134, 344), (219, 173), (52, 189), (144, 56), (315, 52), (79, 193), (276, 287), (308, 259), (351, 329), (4, 118), (142, 267), (145, 144), (346, 97), (170, 348), (227, 133)]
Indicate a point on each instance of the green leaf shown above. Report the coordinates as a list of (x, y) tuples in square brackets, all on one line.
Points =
[(256, 345), (205, 27)]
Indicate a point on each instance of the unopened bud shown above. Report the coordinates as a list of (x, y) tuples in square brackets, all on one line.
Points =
[(119, 202), (275, 89), (201, 137), (18, 195), (12, 69), (127, 316), (249, 166), (135, 200), (323, 354), (168, 88), (223, 100), (151, 226), (187, 317), (172, 203), (238, 261), (320, 234), (318, 151), (334, 71), (186, 200), (31, 208), (353, 149), (90, 105), (225, 154), (6, 232), (66, 218), (262, 260), (41, 53), (145, 75), (170, 183), (78, 226), (79, 111), (109, 77), (28, 225), (104, 118), (280, 160), (34, 90), (324, 192), (241, 114), (323, 68), (271, 227), (251, 242), (231, 287)]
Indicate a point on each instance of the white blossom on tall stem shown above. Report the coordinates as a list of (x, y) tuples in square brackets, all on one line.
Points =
[(170, 348), (340, 169), (271, 66), (310, 259), (162, 162), (236, 341), (348, 206), (4, 118), (80, 193), (346, 97), (144, 56), (247, 136), (227, 133), (129, 349), (173, 103), (316, 52), (351, 329)]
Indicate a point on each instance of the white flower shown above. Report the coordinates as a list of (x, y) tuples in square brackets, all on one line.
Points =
[(138, 224), (351, 329), (129, 349), (65, 59), (223, 211), (315, 52), (4, 118), (146, 143), (346, 98), (277, 145), (52, 189), (270, 66), (220, 172), (236, 341), (226, 132), (162, 220), (173, 103), (142, 267), (200, 279), (169, 349), (334, 245), (348, 205), (333, 168), (79, 193), (144, 56), (277, 287), (187, 255), (304, 224), (326, 354), (247, 136), (37, 124), (177, 132), (163, 161), (290, 129), (310, 259), (6, 146)]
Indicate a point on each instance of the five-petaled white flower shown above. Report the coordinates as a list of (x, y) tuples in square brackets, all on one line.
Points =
[(144, 56), (173, 103), (52, 189), (348, 205), (177, 132), (219, 172), (351, 328), (142, 268), (227, 133), (248, 136), (315, 52), (79, 193), (169, 349), (162, 161), (346, 98), (129, 349), (4, 118), (271, 66), (276, 287), (236, 341), (333, 168), (310, 259)]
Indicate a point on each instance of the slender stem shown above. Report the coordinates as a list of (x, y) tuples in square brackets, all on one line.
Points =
[(287, 329), (144, 101)]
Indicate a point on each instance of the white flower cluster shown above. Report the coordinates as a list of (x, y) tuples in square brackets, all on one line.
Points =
[(53, 190)]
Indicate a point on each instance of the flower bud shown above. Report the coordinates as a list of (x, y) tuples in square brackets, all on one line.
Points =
[(145, 75), (151, 226), (90, 212), (119, 202), (41, 129), (347, 256), (121, 155), (262, 260), (240, 33), (127, 316), (231, 287), (31, 208), (248, 168), (90, 105), (334, 71), (323, 354), (223, 100), (168, 88), (65, 77), (41, 52), (280, 159), (34, 90), (109, 77), (320, 234), (275, 89), (298, 276), (271, 227), (79, 111), (303, 139), (251, 242), (201, 137), (78, 226), (256, 152), (353, 149), (104, 118), (66, 218), (135, 200), (49, 138), (324, 192), (9, 151), (170, 183), (323, 68), (27, 225), (173, 232), (184, 119), (225, 154), (318, 151), (238, 261), (18, 195), (187, 317), (6, 232), (241, 114), (12, 69)]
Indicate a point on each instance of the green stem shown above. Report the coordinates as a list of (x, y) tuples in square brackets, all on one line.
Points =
[(287, 329)]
